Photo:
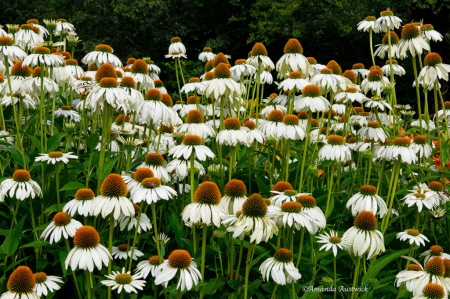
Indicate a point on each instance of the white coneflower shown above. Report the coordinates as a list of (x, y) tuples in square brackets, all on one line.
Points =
[(291, 214), (367, 23), (367, 199), (26, 101), (27, 36), (222, 84), (364, 236), (412, 41), (290, 129), (359, 69), (373, 131), (435, 251), (333, 241), (383, 48), (62, 226), (428, 33), (123, 251), (162, 238), (335, 150), (71, 65), (412, 236), (81, 204), (421, 197), (62, 26), (423, 123), (274, 121), (264, 78), (206, 206), (421, 146), (130, 222), (178, 262), (350, 94), (109, 91), (191, 144), (293, 82), (280, 267), (311, 100), (20, 186), (374, 82), (155, 162), (377, 102), (21, 284), (283, 192), (139, 72), (293, 60), (176, 45), (398, 70), (253, 132), (416, 278), (56, 157), (234, 196), (102, 54), (432, 291), (388, 20), (181, 167), (69, 113), (151, 191), (401, 149), (328, 81), (193, 84), (206, 55), (154, 111), (232, 133), (260, 57), (242, 68), (175, 55), (124, 281), (32, 86), (46, 284), (87, 251), (112, 198), (149, 266), (438, 188), (433, 69)]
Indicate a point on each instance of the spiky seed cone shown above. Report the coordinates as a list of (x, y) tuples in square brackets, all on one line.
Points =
[(222, 72), (84, 194), (335, 67), (154, 159), (139, 67), (232, 123), (62, 219), (21, 175), (21, 281), (307, 201), (220, 58), (433, 291), (254, 206), (432, 59), (20, 71), (281, 187), (179, 259), (259, 50), (104, 48), (435, 266), (349, 74), (207, 193), (113, 186), (106, 70), (283, 255), (86, 237), (410, 31), (167, 100), (293, 46), (394, 39), (131, 60), (366, 221), (311, 91), (275, 116), (153, 95), (142, 173), (235, 188)]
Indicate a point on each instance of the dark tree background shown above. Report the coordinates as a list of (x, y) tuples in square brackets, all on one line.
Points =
[(326, 29)]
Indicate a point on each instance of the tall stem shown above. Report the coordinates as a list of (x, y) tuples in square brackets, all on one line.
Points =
[(417, 93), (203, 258), (156, 231), (57, 185), (136, 233), (355, 278), (248, 264), (305, 148)]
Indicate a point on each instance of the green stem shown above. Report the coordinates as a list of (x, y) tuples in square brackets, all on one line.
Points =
[(417, 93), (58, 198), (156, 231), (302, 236), (141, 207), (203, 258), (247, 268), (355, 278)]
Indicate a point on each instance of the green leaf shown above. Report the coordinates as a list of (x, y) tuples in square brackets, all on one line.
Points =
[(92, 141), (17, 155), (258, 258), (52, 208), (36, 141), (108, 166), (72, 186), (15, 238), (54, 142), (380, 264), (37, 244), (175, 223)]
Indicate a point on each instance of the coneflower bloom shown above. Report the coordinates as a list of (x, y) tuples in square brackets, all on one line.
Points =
[(191, 144), (102, 54), (421, 146), (232, 133), (124, 281), (291, 215), (373, 131), (178, 262), (283, 192), (367, 23), (309, 206), (21, 284), (377, 102), (63, 26), (20, 186), (176, 46), (311, 100), (234, 196), (8, 50), (32, 86), (260, 57), (422, 197), (359, 69), (253, 132), (398, 70), (109, 91), (181, 167), (222, 84), (433, 69), (350, 94), (335, 150), (81, 204), (123, 251), (27, 36), (87, 251), (364, 236), (149, 266), (68, 113), (293, 82), (434, 251), (383, 48), (192, 103), (42, 56), (412, 40), (439, 189), (367, 199), (264, 78), (130, 222), (135, 179), (427, 31), (71, 65), (328, 81), (254, 221), (333, 241), (56, 157), (280, 267), (374, 82), (387, 20), (290, 129), (412, 236), (62, 226), (112, 198), (175, 55), (432, 291), (163, 238), (159, 85), (46, 284), (206, 55), (151, 191), (194, 84), (206, 206), (242, 68), (293, 60), (155, 162), (153, 110), (139, 72), (416, 278), (274, 121)]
